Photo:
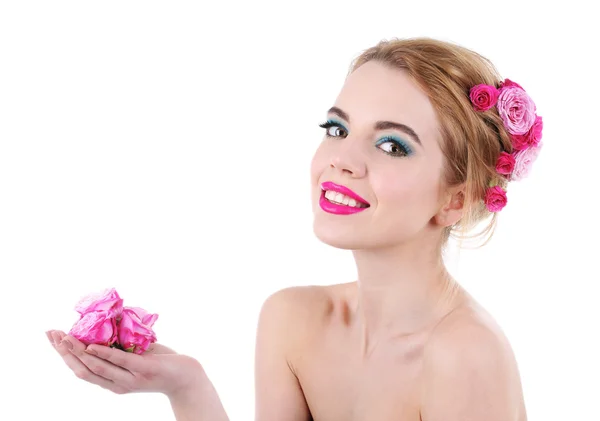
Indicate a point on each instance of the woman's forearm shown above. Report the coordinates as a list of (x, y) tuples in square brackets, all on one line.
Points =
[(199, 403)]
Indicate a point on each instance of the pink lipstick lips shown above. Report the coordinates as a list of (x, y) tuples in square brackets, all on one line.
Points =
[(340, 200)]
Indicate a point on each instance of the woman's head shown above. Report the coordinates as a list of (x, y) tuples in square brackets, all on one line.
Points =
[(404, 136)]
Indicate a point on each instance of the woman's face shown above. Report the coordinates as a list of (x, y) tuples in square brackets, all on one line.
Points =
[(381, 142)]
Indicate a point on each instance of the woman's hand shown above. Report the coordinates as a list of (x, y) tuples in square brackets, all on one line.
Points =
[(159, 369)]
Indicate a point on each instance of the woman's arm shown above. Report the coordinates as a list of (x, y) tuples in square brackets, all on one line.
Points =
[(160, 369), (183, 380), (279, 396), (198, 403)]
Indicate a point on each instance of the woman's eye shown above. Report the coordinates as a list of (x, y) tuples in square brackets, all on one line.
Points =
[(336, 131), (333, 129), (393, 148)]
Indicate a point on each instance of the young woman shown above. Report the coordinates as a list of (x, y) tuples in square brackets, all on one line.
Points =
[(421, 142)]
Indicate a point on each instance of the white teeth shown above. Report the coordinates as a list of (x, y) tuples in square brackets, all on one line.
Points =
[(342, 199)]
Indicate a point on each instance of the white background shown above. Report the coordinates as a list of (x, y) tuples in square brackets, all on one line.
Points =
[(163, 148)]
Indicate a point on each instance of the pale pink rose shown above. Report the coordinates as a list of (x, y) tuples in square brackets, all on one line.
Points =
[(523, 161), (135, 329), (495, 198), (107, 300), (483, 97), (516, 109), (505, 163), (530, 139), (96, 327)]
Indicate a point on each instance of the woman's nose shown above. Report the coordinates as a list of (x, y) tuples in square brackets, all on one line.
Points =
[(349, 161)]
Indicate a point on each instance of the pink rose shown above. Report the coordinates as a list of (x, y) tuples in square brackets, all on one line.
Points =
[(507, 82), (505, 163), (107, 300), (135, 329), (516, 109), (495, 198), (96, 327), (523, 161), (483, 97), (530, 139)]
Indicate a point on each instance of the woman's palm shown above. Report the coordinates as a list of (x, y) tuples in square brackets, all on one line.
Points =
[(159, 369)]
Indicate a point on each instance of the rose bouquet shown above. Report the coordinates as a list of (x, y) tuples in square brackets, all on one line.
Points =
[(104, 321)]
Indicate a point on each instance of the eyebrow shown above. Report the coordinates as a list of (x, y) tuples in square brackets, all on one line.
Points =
[(380, 125)]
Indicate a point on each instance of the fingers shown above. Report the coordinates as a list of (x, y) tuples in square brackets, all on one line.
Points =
[(78, 367), (54, 336), (155, 348), (129, 362), (99, 366)]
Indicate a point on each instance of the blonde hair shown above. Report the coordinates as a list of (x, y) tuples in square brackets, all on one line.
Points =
[(471, 141)]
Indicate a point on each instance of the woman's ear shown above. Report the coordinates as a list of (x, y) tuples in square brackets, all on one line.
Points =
[(452, 207)]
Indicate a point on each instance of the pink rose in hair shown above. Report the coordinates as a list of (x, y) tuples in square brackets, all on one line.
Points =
[(107, 300), (507, 82), (505, 163), (523, 161), (530, 139), (495, 198), (96, 327), (516, 109), (135, 329), (483, 97)]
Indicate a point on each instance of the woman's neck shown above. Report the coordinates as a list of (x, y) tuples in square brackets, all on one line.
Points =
[(400, 292)]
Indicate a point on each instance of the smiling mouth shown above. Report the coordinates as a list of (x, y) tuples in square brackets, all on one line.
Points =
[(343, 200)]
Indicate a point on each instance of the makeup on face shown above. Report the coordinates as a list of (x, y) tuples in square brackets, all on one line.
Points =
[(340, 200), (392, 145)]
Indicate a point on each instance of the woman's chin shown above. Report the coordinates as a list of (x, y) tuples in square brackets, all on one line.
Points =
[(345, 238)]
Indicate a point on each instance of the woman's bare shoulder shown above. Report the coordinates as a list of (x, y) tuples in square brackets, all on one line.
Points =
[(300, 302), (467, 321), (468, 355), (303, 309)]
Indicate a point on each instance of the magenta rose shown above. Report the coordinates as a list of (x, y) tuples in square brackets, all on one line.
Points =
[(135, 329), (483, 97), (523, 161), (107, 300), (516, 109), (505, 163), (495, 198), (530, 139), (96, 327)]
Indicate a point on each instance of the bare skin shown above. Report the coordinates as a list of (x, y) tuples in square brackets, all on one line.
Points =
[(311, 364), (335, 380), (405, 342), (158, 370)]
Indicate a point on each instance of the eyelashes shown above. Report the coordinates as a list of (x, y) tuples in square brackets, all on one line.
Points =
[(333, 124), (391, 145), (395, 146)]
